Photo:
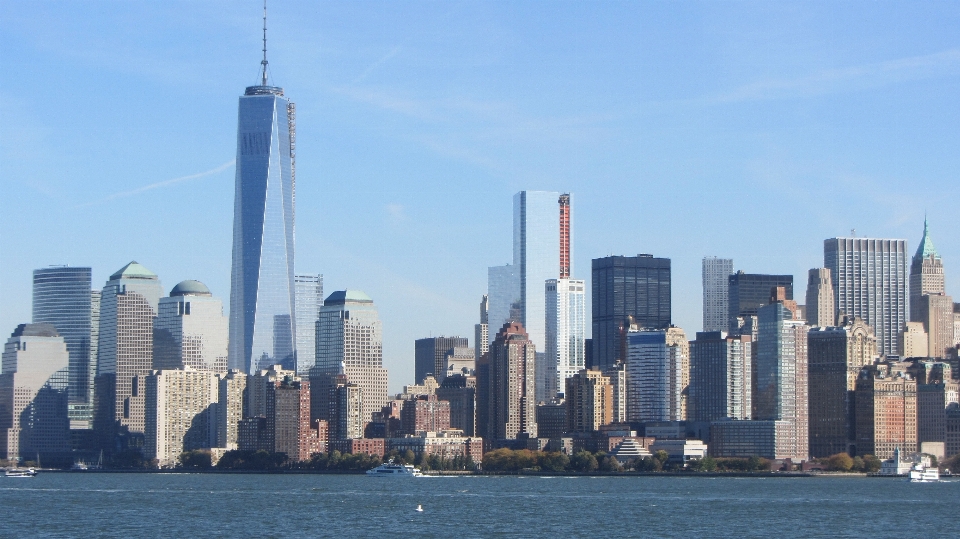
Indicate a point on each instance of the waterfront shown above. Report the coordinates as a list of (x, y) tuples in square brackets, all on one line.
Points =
[(268, 505)]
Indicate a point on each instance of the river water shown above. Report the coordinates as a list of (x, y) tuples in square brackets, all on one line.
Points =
[(254, 505)]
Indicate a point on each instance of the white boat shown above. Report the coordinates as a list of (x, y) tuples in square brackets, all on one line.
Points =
[(390, 469), (921, 474), (17, 472)]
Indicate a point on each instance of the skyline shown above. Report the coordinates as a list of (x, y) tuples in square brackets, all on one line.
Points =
[(762, 120)]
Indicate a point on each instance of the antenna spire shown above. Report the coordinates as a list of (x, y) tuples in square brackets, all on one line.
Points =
[(263, 63)]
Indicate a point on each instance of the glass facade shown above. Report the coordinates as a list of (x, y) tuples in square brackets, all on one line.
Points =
[(309, 298), (503, 298), (750, 291), (262, 298), (565, 331), (637, 286), (716, 302), (62, 297), (536, 250)]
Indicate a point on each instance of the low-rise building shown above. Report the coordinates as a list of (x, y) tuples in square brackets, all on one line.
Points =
[(357, 446), (681, 451), (446, 444), (424, 413), (743, 439)]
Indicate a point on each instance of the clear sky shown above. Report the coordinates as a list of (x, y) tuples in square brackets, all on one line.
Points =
[(749, 130)]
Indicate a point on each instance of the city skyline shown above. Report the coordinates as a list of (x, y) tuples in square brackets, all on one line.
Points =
[(60, 160)]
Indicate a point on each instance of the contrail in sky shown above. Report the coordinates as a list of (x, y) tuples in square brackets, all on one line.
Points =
[(164, 183)]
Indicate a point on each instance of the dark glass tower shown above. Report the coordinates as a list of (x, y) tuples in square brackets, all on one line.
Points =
[(262, 293), (747, 292), (637, 286)]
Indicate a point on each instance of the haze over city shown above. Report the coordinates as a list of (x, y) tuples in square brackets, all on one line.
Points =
[(751, 131)]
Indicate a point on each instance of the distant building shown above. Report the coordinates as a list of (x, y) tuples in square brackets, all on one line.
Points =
[(750, 291), (658, 374), (458, 360), (503, 297), (308, 291), (886, 407), (511, 384), (461, 392), (180, 413), (743, 439), (952, 425), (622, 287), (430, 353), (565, 331), (190, 330), (720, 377), (551, 419), (294, 434), (716, 299), (447, 445), (926, 274), (836, 355), (870, 281), (128, 306), (821, 308), (589, 400), (936, 314), (617, 374), (425, 413), (936, 391), (913, 340), (350, 342), (232, 387), (481, 331), (541, 251), (62, 297), (34, 375)]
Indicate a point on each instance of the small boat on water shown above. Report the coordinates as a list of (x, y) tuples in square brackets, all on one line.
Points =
[(19, 472), (390, 469), (922, 474)]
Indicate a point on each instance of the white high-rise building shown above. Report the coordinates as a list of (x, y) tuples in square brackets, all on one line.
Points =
[(309, 299), (481, 331), (190, 330), (658, 374), (350, 342), (566, 322), (870, 281), (180, 413), (716, 299)]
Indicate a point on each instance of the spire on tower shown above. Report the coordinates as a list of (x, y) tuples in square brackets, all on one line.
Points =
[(263, 63)]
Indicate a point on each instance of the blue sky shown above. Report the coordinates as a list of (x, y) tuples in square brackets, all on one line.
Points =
[(750, 130)]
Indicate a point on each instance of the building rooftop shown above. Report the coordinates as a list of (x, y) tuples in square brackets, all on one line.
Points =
[(926, 247), (35, 330), (133, 270), (347, 296), (190, 288)]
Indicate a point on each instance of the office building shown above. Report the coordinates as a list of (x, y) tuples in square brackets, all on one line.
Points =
[(34, 374), (913, 340), (350, 342), (447, 445), (952, 422), (566, 322), (425, 413), (511, 385), (926, 273), (128, 306), (429, 354), (781, 371), (190, 330), (538, 253), (232, 386), (720, 377), (617, 374), (870, 281), (503, 297), (180, 413), (62, 297), (886, 408), (458, 360), (936, 315), (623, 286), (749, 291), (744, 439), (589, 401), (262, 292), (308, 293), (820, 305), (836, 355), (716, 299), (293, 433), (658, 374), (936, 391), (481, 331), (461, 392), (551, 419)]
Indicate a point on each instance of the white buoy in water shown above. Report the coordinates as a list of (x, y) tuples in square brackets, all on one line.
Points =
[(419, 508)]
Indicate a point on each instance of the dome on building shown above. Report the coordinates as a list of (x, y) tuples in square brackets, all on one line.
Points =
[(190, 288)]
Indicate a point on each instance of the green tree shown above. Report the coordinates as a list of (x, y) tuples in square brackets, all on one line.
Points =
[(199, 459), (610, 464), (553, 461), (583, 461), (871, 464), (706, 464), (841, 462)]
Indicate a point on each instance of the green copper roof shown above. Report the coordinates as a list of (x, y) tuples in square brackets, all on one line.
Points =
[(133, 270), (190, 288), (926, 247)]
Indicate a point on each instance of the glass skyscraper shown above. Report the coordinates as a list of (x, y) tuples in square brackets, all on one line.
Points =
[(536, 250), (263, 321), (309, 297), (62, 297), (716, 301)]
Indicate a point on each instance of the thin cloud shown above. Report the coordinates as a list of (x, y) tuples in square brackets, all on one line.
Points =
[(165, 183), (373, 67)]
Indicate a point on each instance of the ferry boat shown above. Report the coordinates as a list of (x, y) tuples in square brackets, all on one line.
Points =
[(17, 472), (390, 469), (921, 474)]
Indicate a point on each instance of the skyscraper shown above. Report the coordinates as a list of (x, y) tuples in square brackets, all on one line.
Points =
[(262, 305), (820, 304), (836, 355), (309, 298), (658, 374), (511, 385), (503, 297), (429, 354), (716, 301), (926, 273), (870, 281), (537, 251), (566, 321), (180, 413), (720, 377), (190, 330), (481, 331), (936, 314), (128, 306), (62, 297), (750, 291), (589, 401), (627, 286), (350, 342)]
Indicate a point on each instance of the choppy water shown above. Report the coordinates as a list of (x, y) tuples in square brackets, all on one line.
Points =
[(208, 505)]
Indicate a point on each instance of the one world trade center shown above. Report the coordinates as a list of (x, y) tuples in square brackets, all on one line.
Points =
[(262, 310)]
